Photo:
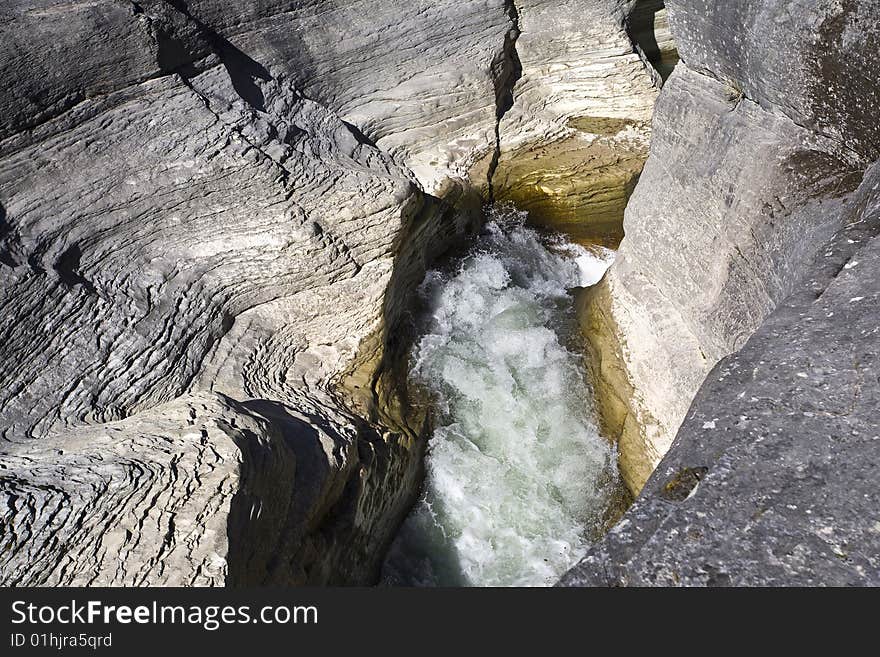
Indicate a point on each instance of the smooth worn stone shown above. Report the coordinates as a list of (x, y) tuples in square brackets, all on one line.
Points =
[(772, 478), (749, 278), (739, 193)]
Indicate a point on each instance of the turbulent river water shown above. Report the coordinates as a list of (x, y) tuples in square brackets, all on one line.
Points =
[(518, 476)]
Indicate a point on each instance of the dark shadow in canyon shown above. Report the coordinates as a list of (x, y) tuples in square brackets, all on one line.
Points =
[(6, 237), (272, 496), (178, 55), (68, 264), (291, 506), (641, 26)]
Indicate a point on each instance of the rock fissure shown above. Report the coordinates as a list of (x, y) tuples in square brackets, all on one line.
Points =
[(506, 71)]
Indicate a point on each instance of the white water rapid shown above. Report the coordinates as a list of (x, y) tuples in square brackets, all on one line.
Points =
[(517, 475)]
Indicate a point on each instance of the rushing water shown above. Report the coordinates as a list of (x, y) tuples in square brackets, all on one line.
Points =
[(518, 476)]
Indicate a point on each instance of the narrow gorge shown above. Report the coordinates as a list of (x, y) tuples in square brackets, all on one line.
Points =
[(518, 476), (314, 292)]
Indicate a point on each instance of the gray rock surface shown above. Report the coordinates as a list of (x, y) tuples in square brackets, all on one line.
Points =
[(772, 479), (753, 232), (740, 191), (186, 209), (576, 60), (211, 216)]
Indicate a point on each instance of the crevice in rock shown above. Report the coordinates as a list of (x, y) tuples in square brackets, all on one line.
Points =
[(648, 29), (506, 71), (6, 237), (68, 264)]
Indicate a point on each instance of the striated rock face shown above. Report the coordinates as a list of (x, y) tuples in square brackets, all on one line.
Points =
[(211, 217), (571, 146), (138, 497), (751, 231), (202, 491), (740, 191), (201, 240), (575, 59)]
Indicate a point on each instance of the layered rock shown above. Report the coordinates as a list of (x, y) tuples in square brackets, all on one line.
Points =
[(751, 231), (575, 138), (738, 195), (576, 59), (213, 213), (186, 211), (211, 218), (771, 479)]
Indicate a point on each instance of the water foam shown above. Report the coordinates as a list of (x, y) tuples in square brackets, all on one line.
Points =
[(517, 473)]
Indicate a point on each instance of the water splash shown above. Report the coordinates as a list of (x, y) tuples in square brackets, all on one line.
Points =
[(517, 473)]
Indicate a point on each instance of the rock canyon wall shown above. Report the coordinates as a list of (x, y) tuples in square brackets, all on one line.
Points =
[(751, 232), (211, 217)]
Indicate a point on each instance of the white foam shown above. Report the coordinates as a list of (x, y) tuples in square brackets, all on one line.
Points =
[(516, 464), (592, 266)]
